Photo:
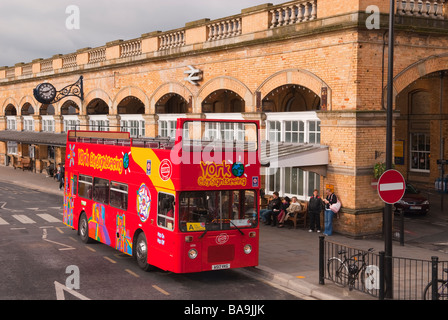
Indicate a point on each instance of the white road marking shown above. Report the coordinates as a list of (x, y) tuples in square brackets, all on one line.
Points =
[(391, 186), (60, 288), (44, 237), (3, 222), (23, 219), (47, 217)]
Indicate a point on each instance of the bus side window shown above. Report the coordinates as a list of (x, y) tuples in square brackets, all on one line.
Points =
[(165, 212), (119, 195), (85, 185), (74, 185), (101, 190)]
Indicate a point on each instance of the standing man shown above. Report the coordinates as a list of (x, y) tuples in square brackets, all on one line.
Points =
[(315, 207), (61, 175), (329, 200)]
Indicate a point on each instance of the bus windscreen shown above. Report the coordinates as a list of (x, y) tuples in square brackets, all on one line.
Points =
[(217, 210)]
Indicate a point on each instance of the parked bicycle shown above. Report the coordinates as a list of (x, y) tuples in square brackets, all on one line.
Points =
[(442, 289), (346, 272)]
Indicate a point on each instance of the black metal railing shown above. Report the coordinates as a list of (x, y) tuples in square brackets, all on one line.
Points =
[(413, 279)]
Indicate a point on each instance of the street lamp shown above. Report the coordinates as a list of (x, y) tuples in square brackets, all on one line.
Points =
[(388, 207)]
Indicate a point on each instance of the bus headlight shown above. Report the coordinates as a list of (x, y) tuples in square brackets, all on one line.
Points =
[(247, 249), (192, 253)]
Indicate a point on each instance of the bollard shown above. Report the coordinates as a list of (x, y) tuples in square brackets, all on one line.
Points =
[(401, 228), (434, 275), (381, 293), (321, 260)]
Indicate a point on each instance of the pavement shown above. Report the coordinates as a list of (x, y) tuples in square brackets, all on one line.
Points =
[(289, 257)]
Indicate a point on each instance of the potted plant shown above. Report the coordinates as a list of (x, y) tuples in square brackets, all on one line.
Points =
[(378, 170)]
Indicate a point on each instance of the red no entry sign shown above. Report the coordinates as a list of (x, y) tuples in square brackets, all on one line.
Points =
[(391, 186)]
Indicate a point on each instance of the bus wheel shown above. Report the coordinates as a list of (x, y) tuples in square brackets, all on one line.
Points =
[(141, 252), (84, 229)]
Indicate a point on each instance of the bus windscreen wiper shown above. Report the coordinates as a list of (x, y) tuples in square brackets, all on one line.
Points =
[(237, 227), (203, 234)]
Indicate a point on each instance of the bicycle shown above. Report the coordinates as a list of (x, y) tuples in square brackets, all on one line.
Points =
[(343, 272), (442, 289)]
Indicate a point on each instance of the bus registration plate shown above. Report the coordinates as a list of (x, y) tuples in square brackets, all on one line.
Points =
[(221, 266)]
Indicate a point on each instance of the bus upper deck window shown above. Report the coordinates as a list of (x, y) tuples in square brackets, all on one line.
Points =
[(101, 190), (85, 186), (119, 195)]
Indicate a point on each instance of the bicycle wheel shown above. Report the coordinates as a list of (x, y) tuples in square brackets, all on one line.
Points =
[(370, 277), (442, 290), (337, 271)]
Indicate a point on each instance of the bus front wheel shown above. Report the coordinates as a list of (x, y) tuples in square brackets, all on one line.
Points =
[(141, 252)]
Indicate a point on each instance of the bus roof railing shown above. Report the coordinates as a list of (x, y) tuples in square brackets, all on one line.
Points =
[(117, 138)]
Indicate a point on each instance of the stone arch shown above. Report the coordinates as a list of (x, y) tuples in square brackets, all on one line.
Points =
[(130, 91), (27, 109), (67, 104), (225, 83), (9, 101), (417, 70), (169, 87), (295, 76), (31, 101), (58, 106), (92, 95)]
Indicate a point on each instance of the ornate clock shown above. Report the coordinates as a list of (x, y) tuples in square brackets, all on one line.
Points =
[(45, 93)]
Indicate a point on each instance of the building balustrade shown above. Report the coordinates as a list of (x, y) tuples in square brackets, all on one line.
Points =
[(27, 69), (172, 40), (293, 13), (268, 17), (224, 29), (46, 65), (432, 9), (97, 55), (131, 48), (69, 61)]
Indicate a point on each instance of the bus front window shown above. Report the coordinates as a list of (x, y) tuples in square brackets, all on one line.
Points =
[(217, 210)]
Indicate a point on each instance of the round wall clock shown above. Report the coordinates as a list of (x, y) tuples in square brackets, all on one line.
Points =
[(45, 93)]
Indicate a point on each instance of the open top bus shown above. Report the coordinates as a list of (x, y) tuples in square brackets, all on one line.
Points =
[(187, 205)]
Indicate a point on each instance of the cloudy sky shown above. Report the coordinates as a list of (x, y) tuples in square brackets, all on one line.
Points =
[(31, 29)]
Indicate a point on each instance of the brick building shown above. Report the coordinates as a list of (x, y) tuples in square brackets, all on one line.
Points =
[(313, 72)]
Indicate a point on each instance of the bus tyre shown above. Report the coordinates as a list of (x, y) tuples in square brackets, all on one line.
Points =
[(141, 252), (84, 229)]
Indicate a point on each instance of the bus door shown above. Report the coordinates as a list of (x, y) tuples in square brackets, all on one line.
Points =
[(164, 240), (70, 197)]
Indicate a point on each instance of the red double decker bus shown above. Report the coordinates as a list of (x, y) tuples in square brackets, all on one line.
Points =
[(187, 205)]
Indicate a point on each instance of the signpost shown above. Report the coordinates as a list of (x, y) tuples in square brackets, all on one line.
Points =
[(391, 186), (388, 275)]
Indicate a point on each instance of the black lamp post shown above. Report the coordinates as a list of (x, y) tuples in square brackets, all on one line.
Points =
[(388, 208)]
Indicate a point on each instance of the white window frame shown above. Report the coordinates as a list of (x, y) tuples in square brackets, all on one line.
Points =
[(411, 151), (134, 124), (12, 147), (11, 123), (28, 123), (167, 124), (97, 120), (282, 176), (281, 118), (71, 122), (48, 123)]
